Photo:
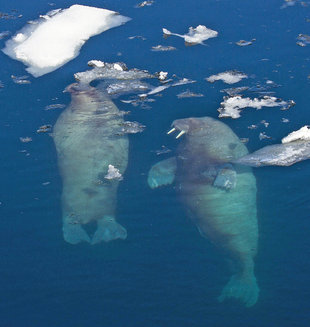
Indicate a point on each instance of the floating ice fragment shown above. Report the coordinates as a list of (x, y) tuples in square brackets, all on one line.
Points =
[(163, 48), (129, 86), (55, 40), (235, 90), (303, 134), (229, 77), (4, 34), (26, 139), (137, 37), (263, 136), (144, 3), (232, 106), (162, 76), (195, 35), (189, 94), (243, 43), (118, 71), (155, 90), (113, 173), (303, 40), (44, 128), (183, 81), (20, 79), (285, 120)]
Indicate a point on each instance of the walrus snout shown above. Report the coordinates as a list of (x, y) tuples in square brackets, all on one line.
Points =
[(190, 125)]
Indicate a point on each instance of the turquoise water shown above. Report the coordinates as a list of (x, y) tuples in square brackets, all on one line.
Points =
[(165, 273)]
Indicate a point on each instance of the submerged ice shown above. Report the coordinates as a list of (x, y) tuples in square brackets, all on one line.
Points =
[(57, 37)]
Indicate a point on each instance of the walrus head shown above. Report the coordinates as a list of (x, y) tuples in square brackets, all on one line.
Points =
[(192, 126)]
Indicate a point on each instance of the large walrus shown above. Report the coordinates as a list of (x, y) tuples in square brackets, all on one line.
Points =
[(220, 197), (88, 139), (219, 190)]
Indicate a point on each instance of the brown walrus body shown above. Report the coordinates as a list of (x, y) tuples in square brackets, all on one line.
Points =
[(220, 197)]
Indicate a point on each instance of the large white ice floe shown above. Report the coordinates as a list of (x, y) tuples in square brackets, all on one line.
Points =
[(229, 77), (232, 106), (195, 35), (57, 37)]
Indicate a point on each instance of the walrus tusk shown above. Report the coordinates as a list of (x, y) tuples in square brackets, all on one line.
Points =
[(180, 134), (172, 130)]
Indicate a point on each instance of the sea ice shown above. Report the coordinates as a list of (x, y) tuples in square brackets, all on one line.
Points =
[(195, 35), (57, 37), (232, 106), (113, 173), (163, 48), (229, 77), (303, 134)]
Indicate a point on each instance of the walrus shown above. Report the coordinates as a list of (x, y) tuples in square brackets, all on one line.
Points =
[(88, 138), (213, 176), (220, 197)]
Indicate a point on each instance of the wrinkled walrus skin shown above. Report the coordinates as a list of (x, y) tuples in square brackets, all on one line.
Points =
[(220, 197), (88, 138)]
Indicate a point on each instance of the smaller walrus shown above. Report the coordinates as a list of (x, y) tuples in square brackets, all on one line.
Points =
[(219, 191), (88, 138)]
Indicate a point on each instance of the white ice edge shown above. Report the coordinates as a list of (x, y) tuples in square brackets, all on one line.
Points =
[(58, 37), (303, 134)]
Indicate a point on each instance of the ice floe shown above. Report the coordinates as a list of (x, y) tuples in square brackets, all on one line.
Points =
[(144, 4), (58, 36), (163, 48), (20, 79), (183, 81), (132, 127), (195, 35), (116, 71), (228, 77), (55, 106), (4, 34), (232, 106), (303, 134), (113, 173)]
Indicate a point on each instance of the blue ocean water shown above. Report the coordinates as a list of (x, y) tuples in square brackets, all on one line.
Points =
[(165, 273)]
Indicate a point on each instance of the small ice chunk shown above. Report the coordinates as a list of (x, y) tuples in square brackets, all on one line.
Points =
[(113, 173), (195, 35), (4, 34), (55, 40), (145, 3), (155, 90), (303, 134), (285, 120), (229, 77), (183, 81), (20, 79), (244, 43), (303, 40), (130, 86), (232, 106), (189, 94), (44, 128), (265, 123), (137, 37), (162, 76), (26, 139), (263, 136), (96, 63), (235, 90), (163, 48)]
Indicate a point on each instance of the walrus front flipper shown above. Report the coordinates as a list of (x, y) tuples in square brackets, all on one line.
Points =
[(108, 230), (74, 233), (162, 173), (244, 289), (226, 178)]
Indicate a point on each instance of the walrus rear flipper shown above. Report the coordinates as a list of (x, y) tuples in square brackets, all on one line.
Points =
[(74, 233), (162, 173), (108, 230), (241, 288)]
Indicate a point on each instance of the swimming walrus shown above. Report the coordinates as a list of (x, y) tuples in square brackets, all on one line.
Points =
[(220, 197), (88, 138), (217, 186)]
